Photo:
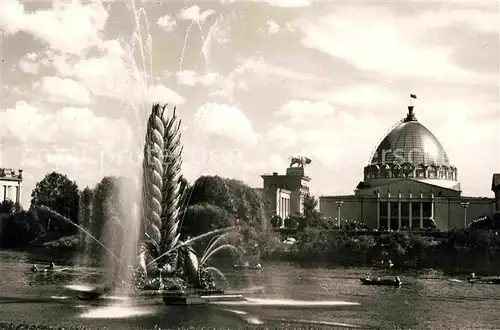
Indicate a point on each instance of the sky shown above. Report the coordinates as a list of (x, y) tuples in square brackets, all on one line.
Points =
[(254, 83)]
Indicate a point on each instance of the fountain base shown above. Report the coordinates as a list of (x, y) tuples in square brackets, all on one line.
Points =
[(188, 300), (196, 297)]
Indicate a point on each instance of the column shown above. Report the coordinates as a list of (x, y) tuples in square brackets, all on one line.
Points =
[(18, 194), (421, 215), (281, 207), (399, 214), (378, 214), (388, 214), (411, 213), (4, 192)]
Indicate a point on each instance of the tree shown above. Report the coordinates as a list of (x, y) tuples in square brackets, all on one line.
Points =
[(59, 193), (86, 199), (238, 199), (18, 229), (213, 190), (249, 205), (204, 217), (312, 217), (292, 222), (276, 221), (8, 207), (106, 203)]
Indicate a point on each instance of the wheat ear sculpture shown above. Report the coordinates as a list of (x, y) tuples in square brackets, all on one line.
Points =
[(153, 172), (171, 184), (161, 172)]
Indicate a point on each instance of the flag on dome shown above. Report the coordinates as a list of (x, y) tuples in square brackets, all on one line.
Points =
[(413, 96)]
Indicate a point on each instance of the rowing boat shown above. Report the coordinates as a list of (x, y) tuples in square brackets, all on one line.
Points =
[(380, 282)]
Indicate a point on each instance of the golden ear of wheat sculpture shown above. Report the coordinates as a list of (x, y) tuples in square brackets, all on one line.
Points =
[(161, 173)]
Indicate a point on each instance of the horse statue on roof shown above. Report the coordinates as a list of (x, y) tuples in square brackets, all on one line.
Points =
[(300, 161)]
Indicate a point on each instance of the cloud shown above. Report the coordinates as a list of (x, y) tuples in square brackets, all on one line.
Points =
[(114, 75), (193, 13), (282, 136), (300, 111), (262, 68), (28, 64), (167, 23), (63, 90), (161, 94), (361, 95), (483, 21), (378, 40), (31, 124), (273, 27), (290, 26), (67, 27), (289, 3), (71, 140), (190, 78), (225, 121)]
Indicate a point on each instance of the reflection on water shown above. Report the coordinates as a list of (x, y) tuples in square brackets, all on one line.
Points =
[(285, 303), (116, 312), (277, 294)]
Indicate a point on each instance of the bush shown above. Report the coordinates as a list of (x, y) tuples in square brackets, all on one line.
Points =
[(16, 230), (276, 221), (64, 243), (463, 250)]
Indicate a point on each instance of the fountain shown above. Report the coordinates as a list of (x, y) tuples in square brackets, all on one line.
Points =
[(165, 265), (181, 277)]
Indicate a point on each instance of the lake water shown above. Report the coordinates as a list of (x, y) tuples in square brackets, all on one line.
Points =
[(277, 291)]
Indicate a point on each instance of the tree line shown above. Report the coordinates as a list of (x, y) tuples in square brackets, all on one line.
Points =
[(58, 207)]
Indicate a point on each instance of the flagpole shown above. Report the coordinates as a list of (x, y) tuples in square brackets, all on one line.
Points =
[(412, 96)]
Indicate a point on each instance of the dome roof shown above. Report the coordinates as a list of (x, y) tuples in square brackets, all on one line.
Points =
[(410, 142)]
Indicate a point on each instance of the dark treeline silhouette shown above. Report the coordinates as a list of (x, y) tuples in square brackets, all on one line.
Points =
[(210, 203), (476, 248), (213, 202)]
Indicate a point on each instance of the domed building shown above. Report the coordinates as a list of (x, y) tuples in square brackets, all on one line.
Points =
[(409, 183)]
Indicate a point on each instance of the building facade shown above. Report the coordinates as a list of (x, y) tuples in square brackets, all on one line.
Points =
[(10, 184), (495, 187), (286, 192), (409, 183)]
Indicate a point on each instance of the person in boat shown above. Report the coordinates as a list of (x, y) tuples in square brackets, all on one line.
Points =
[(378, 278), (471, 277), (51, 266), (34, 268), (398, 280), (258, 266), (389, 263), (367, 276)]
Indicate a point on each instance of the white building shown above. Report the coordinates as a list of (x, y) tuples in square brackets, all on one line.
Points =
[(10, 184), (409, 183), (285, 193)]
